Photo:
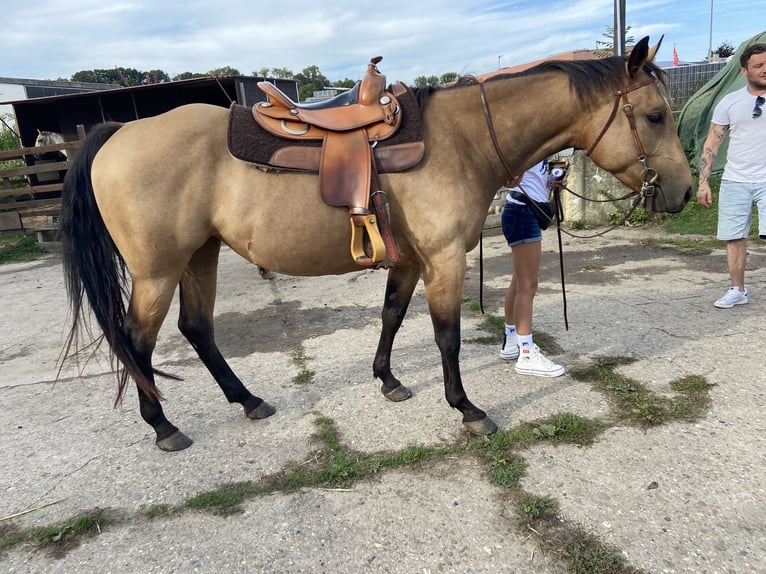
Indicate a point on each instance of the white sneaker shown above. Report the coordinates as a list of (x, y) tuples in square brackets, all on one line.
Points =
[(510, 349), (733, 296), (533, 362)]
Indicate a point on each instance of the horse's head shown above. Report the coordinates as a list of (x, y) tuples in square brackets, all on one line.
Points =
[(633, 135), (45, 138)]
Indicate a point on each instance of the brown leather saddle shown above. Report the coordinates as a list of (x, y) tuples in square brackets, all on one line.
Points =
[(341, 133)]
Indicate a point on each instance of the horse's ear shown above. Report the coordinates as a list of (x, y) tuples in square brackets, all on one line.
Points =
[(638, 56), (39, 133), (654, 49)]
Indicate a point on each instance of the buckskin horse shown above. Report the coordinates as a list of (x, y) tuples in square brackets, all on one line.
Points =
[(158, 196)]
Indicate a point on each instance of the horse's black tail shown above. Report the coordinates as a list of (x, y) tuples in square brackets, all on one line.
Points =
[(94, 267)]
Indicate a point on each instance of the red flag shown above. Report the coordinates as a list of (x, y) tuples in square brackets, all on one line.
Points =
[(675, 56)]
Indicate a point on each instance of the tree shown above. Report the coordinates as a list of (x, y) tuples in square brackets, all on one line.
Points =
[(448, 77), (282, 73), (345, 83), (121, 76), (608, 44), (423, 81), (225, 72), (188, 76), (724, 50), (8, 137), (310, 80)]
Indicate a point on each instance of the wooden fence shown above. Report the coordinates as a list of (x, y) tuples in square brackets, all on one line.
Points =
[(30, 187)]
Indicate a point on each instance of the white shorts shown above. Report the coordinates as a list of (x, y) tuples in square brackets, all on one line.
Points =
[(735, 209)]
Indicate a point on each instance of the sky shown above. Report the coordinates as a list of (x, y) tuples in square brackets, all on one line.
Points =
[(53, 39)]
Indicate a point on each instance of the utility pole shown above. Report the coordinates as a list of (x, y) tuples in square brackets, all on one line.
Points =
[(710, 41), (619, 27)]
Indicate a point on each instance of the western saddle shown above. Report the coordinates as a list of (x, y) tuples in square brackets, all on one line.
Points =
[(349, 126)]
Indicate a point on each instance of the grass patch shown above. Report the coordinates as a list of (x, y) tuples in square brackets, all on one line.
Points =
[(159, 511), (637, 405), (300, 360), (59, 538), (227, 498), (16, 247)]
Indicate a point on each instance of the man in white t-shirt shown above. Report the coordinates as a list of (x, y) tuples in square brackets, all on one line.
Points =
[(744, 177)]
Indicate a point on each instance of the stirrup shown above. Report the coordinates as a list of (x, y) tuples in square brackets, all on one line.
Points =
[(361, 222)]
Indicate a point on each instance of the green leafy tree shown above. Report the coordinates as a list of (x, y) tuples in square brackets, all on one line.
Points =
[(607, 45), (423, 81), (724, 50), (310, 80), (345, 83), (120, 76), (8, 137), (156, 76), (282, 73), (188, 76), (225, 72), (448, 77)]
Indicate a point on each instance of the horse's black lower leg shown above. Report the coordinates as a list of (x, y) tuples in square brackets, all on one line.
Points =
[(399, 288), (168, 436), (447, 335), (197, 296), (200, 335)]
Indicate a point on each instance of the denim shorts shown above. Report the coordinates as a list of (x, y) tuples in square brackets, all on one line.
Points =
[(735, 209), (520, 224)]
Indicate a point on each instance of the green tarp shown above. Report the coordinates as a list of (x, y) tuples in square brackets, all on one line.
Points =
[(694, 121)]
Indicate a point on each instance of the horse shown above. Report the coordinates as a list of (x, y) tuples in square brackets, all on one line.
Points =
[(155, 198), (45, 138)]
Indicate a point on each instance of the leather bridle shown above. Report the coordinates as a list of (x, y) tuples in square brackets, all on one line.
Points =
[(649, 176)]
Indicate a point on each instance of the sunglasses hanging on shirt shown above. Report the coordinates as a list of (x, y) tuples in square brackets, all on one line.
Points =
[(757, 111)]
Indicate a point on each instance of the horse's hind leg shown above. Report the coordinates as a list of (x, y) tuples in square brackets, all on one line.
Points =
[(399, 288), (149, 304), (197, 293)]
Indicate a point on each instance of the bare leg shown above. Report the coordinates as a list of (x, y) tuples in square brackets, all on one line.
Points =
[(520, 295), (736, 256)]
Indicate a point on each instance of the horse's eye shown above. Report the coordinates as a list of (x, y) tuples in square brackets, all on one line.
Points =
[(655, 118)]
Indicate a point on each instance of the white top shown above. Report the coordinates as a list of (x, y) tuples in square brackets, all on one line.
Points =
[(534, 183), (746, 158)]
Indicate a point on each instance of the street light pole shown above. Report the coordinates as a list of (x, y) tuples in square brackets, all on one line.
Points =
[(710, 41), (498, 60)]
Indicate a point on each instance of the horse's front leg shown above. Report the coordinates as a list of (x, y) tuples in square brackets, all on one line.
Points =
[(444, 288), (195, 321), (399, 288)]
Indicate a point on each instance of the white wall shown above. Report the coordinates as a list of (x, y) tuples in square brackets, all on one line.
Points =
[(9, 93)]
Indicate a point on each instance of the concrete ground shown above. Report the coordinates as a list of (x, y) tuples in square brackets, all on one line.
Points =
[(679, 498)]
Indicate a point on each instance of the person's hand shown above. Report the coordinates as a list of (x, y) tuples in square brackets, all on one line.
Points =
[(704, 195)]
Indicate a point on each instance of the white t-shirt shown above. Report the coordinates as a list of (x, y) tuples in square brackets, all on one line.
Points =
[(746, 158), (534, 183)]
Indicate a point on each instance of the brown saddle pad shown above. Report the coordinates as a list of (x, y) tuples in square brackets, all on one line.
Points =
[(249, 142)]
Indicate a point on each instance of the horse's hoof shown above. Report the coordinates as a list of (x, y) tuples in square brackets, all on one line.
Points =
[(176, 441), (261, 411), (482, 427), (397, 394)]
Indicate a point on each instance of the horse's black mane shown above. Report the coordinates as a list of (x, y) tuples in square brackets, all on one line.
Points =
[(586, 77)]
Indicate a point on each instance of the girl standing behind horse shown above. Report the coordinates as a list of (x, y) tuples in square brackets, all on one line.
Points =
[(523, 232)]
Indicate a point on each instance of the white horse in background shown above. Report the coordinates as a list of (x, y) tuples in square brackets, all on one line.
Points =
[(49, 138)]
